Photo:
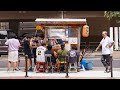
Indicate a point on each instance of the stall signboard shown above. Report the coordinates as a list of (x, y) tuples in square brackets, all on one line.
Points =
[(57, 32), (67, 47), (73, 40)]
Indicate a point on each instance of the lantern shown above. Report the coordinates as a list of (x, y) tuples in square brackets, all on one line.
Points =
[(85, 31), (38, 27)]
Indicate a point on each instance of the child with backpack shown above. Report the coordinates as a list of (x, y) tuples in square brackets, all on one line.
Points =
[(87, 64)]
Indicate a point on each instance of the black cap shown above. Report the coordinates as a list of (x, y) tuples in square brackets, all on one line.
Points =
[(74, 47), (43, 44), (13, 35), (49, 47), (62, 44), (28, 36)]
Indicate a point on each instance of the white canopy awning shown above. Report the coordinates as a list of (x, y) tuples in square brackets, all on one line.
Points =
[(60, 20), (64, 21)]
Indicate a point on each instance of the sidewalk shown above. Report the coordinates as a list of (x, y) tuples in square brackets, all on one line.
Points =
[(96, 73), (92, 74)]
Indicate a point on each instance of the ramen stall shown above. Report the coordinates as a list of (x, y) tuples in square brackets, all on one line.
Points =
[(59, 31)]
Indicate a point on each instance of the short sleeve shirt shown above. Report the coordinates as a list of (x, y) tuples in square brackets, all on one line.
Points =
[(27, 49), (73, 59), (50, 52), (104, 42), (62, 53), (13, 44), (40, 53)]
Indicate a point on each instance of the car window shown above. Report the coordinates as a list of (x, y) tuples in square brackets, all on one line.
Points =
[(9, 34), (3, 34)]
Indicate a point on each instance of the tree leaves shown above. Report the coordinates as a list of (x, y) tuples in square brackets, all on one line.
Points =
[(111, 14)]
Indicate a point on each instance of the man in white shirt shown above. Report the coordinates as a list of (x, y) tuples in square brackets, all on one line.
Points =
[(106, 44), (13, 46), (40, 59)]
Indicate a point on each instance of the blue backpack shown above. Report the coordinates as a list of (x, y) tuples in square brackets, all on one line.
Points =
[(87, 64)]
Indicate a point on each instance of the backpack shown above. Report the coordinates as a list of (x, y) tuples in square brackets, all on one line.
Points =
[(73, 53), (87, 64)]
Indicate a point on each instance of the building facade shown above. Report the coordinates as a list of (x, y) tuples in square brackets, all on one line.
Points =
[(24, 21)]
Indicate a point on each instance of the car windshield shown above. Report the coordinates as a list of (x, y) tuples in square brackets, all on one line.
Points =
[(3, 34)]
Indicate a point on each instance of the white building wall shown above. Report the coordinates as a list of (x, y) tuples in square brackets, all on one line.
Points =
[(111, 34), (116, 37)]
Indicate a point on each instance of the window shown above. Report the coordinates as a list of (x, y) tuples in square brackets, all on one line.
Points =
[(4, 25), (71, 32)]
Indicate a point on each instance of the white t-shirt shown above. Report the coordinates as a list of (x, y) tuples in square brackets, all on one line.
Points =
[(13, 44), (40, 53), (104, 43)]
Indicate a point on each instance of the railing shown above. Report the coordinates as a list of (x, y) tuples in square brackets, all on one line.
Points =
[(89, 45), (83, 45)]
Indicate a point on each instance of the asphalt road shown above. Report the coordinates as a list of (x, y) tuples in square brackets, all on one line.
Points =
[(96, 62)]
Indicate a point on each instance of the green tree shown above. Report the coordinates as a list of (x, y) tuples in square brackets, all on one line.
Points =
[(111, 14)]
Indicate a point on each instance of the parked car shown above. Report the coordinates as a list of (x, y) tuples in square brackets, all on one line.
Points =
[(4, 35)]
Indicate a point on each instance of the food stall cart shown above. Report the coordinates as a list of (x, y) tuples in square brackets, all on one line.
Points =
[(59, 31)]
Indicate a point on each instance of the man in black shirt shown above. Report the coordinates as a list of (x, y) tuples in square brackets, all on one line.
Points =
[(27, 51), (34, 44)]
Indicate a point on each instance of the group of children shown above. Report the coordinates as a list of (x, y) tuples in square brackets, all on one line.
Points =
[(36, 48), (47, 57)]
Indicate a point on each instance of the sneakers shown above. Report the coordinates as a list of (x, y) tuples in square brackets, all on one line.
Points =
[(38, 71), (30, 69), (8, 70), (78, 70), (16, 69), (46, 70), (108, 69)]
